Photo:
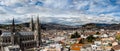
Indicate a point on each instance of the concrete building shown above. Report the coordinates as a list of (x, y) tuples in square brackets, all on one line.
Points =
[(22, 39)]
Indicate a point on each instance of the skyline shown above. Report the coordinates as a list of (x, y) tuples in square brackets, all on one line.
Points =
[(75, 12)]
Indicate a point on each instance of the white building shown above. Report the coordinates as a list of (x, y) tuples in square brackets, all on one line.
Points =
[(12, 48), (97, 46), (53, 47)]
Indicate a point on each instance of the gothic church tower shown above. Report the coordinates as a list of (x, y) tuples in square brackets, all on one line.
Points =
[(13, 32), (31, 25), (38, 33)]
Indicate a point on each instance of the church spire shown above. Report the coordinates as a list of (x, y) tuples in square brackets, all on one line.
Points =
[(13, 32), (31, 25), (38, 25), (13, 25), (38, 34)]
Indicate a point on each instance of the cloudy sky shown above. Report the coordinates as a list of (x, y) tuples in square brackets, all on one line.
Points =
[(70, 12)]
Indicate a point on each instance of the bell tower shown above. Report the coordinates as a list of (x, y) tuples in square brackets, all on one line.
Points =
[(13, 32), (38, 33), (31, 25), (13, 26)]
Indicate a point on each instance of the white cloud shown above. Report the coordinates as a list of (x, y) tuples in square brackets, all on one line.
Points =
[(13, 2), (59, 11)]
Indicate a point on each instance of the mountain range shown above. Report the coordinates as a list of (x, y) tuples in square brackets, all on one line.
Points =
[(51, 26)]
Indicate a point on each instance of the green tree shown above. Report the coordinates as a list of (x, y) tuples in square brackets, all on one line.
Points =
[(118, 37), (75, 35), (82, 41), (90, 38), (97, 33)]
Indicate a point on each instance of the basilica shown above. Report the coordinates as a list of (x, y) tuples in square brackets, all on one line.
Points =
[(22, 40)]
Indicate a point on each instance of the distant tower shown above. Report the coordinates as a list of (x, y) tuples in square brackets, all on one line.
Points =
[(31, 25), (13, 32), (13, 26), (37, 33)]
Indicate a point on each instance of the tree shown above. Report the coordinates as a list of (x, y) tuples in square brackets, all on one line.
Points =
[(82, 41), (109, 44), (97, 33), (90, 38), (75, 35), (118, 37), (0, 32)]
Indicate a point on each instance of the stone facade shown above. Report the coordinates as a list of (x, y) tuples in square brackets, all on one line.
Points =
[(25, 39)]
